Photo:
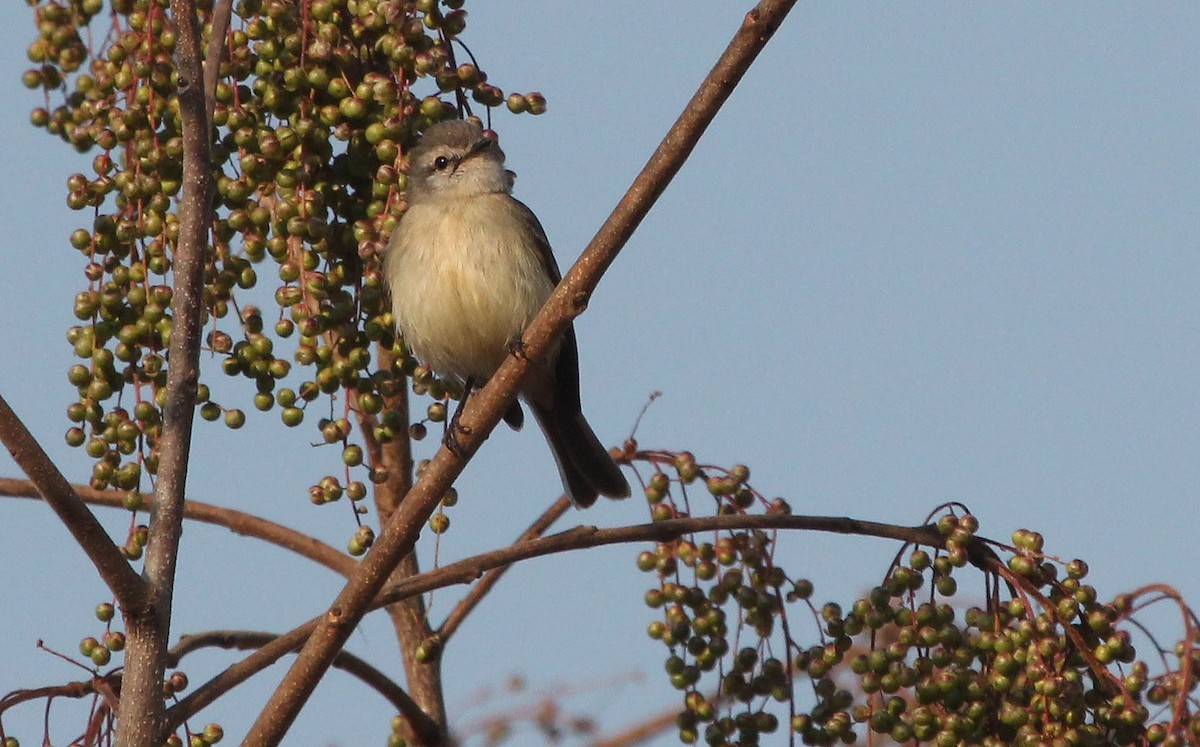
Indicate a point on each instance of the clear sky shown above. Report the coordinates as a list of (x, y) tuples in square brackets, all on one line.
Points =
[(927, 252)]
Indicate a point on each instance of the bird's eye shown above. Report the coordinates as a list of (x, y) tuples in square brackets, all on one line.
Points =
[(440, 163)]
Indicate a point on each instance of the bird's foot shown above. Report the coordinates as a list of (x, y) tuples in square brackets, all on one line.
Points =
[(516, 347)]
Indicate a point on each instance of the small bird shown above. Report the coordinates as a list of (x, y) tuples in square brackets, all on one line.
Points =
[(468, 267)]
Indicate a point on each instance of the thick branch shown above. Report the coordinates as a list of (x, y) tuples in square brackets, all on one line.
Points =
[(147, 627), (239, 522), (45, 480), (481, 415)]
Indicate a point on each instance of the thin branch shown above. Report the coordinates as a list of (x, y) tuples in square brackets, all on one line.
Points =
[(46, 481), (423, 674), (647, 729), (469, 569), (347, 662), (148, 626), (583, 537), (468, 603), (79, 689), (237, 673), (480, 416), (238, 522), (219, 22)]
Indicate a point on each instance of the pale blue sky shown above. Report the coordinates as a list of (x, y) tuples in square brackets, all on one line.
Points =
[(927, 252)]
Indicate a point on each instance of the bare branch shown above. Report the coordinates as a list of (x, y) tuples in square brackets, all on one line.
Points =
[(452, 622), (219, 21), (347, 662), (238, 522), (642, 731), (578, 538), (482, 413), (423, 674), (237, 673), (148, 626), (45, 480), (582, 537)]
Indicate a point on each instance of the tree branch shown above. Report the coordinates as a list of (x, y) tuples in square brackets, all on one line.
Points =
[(219, 21), (468, 603), (347, 662), (581, 537), (238, 522), (423, 674), (237, 673), (148, 626), (45, 480), (481, 415)]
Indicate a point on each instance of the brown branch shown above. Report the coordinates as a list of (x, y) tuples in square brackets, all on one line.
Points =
[(480, 416), (577, 538), (347, 662), (148, 626), (237, 673), (45, 480), (644, 730), (79, 689), (238, 522), (219, 22), (468, 603), (584, 537), (423, 674)]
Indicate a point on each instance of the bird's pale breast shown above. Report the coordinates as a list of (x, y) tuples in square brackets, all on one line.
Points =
[(465, 279)]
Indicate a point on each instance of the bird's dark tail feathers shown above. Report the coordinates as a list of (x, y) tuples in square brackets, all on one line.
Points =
[(583, 463)]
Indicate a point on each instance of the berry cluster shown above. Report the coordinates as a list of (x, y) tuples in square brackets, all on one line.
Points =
[(314, 107), (906, 662)]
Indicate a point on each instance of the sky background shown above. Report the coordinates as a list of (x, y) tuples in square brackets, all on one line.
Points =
[(927, 252)]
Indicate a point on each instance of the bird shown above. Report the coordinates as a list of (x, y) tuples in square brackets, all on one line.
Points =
[(468, 266)]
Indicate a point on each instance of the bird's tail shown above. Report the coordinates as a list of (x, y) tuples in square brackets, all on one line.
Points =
[(584, 464)]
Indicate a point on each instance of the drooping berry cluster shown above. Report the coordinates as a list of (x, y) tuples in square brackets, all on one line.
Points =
[(907, 662), (314, 107)]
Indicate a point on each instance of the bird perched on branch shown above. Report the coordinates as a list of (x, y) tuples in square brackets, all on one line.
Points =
[(468, 267)]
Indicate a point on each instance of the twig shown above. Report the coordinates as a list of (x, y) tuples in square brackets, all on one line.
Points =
[(399, 535), (45, 480), (219, 21), (452, 622), (238, 522), (641, 732), (148, 625)]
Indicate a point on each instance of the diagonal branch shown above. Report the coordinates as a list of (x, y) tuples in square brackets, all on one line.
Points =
[(400, 533), (49, 483), (468, 603), (239, 522), (345, 661)]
